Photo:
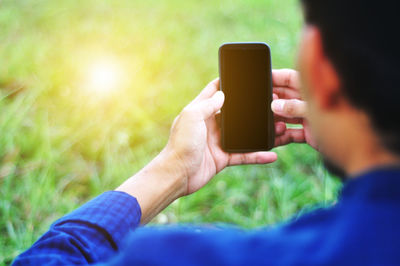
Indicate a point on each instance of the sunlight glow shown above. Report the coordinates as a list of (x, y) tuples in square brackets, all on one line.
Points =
[(104, 76)]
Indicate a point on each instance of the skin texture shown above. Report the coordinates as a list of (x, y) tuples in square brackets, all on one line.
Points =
[(330, 124)]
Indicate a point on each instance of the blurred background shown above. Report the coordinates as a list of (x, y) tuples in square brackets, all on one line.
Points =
[(89, 89)]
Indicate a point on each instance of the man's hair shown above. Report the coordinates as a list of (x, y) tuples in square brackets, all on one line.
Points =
[(360, 37)]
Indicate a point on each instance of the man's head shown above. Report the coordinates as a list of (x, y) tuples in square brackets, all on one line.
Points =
[(349, 64)]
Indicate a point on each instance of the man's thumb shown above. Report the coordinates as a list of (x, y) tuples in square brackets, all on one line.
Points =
[(212, 105), (289, 108)]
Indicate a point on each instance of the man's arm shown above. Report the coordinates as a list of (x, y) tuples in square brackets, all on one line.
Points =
[(191, 158), (193, 154), (92, 233)]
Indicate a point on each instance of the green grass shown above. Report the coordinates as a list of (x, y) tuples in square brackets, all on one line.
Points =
[(61, 145)]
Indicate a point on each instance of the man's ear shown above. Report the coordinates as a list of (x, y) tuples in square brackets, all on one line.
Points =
[(324, 84)]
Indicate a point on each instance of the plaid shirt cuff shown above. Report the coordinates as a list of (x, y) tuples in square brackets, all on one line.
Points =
[(115, 213)]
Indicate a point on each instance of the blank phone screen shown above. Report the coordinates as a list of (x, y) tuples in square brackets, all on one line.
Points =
[(246, 82)]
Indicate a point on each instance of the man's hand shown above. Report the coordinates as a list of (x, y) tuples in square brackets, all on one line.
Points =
[(193, 154), (289, 108), (195, 141)]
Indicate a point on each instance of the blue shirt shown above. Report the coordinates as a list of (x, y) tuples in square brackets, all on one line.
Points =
[(362, 228)]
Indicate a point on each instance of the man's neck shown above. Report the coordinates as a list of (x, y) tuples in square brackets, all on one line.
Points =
[(361, 148), (367, 159)]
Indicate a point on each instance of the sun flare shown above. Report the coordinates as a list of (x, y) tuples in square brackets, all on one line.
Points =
[(104, 76)]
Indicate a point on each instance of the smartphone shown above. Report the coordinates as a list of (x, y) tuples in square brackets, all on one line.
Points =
[(247, 122)]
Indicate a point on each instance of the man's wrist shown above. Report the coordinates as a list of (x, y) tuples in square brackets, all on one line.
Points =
[(157, 185), (169, 164)]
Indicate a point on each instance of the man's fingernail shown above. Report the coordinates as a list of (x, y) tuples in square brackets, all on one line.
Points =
[(219, 94), (277, 105)]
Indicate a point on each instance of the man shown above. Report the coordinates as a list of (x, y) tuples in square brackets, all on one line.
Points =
[(348, 61)]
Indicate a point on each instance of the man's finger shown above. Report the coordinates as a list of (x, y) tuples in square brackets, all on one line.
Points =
[(278, 118), (208, 91), (289, 108), (218, 118), (286, 93), (211, 105), (252, 158), (280, 128), (286, 78), (290, 136)]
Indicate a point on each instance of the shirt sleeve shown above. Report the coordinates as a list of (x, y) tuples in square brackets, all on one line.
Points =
[(90, 234), (229, 246), (299, 242)]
